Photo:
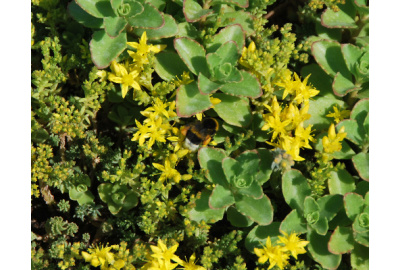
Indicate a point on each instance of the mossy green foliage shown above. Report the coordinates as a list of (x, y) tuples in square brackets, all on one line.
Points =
[(113, 92)]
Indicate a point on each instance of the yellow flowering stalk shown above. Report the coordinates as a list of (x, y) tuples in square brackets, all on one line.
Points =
[(169, 171), (127, 79), (190, 265), (143, 48), (162, 256), (297, 88), (338, 114), (103, 257), (331, 143), (293, 244)]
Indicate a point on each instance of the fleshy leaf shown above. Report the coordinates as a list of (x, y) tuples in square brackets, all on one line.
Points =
[(259, 234), (248, 87), (230, 33), (354, 204), (221, 197), (351, 56), (318, 248), (233, 110), (361, 163), (344, 18), (96, 8), (169, 29), (355, 133), (193, 54), (164, 69), (189, 100), (202, 211), (258, 210), (343, 84), (330, 205), (293, 223), (104, 49), (83, 17), (360, 257), (341, 182), (210, 159), (360, 111), (206, 86), (239, 3), (237, 219), (244, 19), (193, 11), (232, 168), (265, 165), (295, 189), (150, 18), (341, 241), (114, 25)]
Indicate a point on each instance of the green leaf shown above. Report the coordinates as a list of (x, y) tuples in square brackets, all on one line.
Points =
[(248, 87), (361, 163), (127, 9), (228, 52), (117, 197), (237, 219), (193, 54), (164, 69), (355, 133), (159, 4), (82, 197), (169, 29), (187, 30), (362, 238), (104, 49), (354, 204), (340, 219), (343, 84), (341, 241), (259, 234), (193, 11), (293, 223), (239, 3), (189, 100), (39, 135), (318, 248), (330, 205), (207, 86), (258, 210), (360, 257), (96, 8), (114, 25), (362, 188), (221, 197), (351, 55), (361, 223), (150, 18), (328, 55), (249, 162), (202, 211), (234, 110), (360, 111), (230, 33), (210, 159), (295, 189), (341, 182), (244, 19), (327, 33), (231, 168), (83, 17), (265, 165), (344, 18)]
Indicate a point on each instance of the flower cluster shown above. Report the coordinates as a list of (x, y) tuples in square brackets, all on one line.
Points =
[(168, 169), (338, 114), (278, 254), (331, 143), (162, 255)]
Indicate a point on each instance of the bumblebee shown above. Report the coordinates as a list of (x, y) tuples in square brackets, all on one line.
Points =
[(199, 132)]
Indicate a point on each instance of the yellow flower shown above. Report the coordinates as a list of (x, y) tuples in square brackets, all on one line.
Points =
[(331, 143), (143, 49), (101, 256), (293, 244), (158, 108), (165, 255), (168, 172), (292, 146), (127, 80), (305, 135), (154, 129), (338, 114), (275, 254), (190, 265), (277, 125), (297, 88)]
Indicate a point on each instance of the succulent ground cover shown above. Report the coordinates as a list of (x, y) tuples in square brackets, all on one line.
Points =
[(283, 183)]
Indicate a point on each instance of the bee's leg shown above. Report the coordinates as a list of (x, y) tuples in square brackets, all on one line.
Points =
[(207, 141)]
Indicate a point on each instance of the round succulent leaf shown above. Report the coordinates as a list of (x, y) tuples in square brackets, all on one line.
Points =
[(360, 111), (321, 226), (361, 223), (163, 67), (115, 4), (231, 168), (233, 33), (343, 84), (355, 133), (258, 210), (244, 19), (114, 25), (80, 195), (193, 54), (362, 238), (259, 234), (265, 170), (169, 29), (351, 55), (150, 18), (237, 219), (254, 190), (207, 86), (228, 52), (210, 159), (327, 33), (221, 197), (359, 257), (249, 86), (293, 223), (344, 18), (189, 100), (341, 182), (239, 3), (159, 4), (362, 188), (234, 110), (342, 240), (250, 161), (127, 9), (354, 205), (202, 210), (83, 17), (340, 219), (328, 55), (361, 163), (310, 208), (330, 205), (193, 11), (96, 8), (104, 49), (130, 201), (295, 189), (186, 29), (318, 248)]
